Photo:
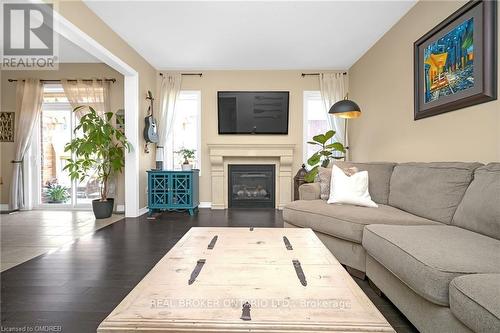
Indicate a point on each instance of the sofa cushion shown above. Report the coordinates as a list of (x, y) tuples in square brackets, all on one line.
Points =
[(475, 301), (379, 174), (479, 210), (309, 191), (325, 178), (350, 190), (430, 190), (345, 221), (427, 258)]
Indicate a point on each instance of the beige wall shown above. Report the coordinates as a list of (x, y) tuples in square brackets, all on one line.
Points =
[(213, 81), (80, 15), (76, 12), (381, 82), (66, 71)]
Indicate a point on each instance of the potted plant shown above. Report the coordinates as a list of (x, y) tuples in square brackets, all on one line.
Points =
[(187, 154), (57, 193), (98, 150), (324, 154)]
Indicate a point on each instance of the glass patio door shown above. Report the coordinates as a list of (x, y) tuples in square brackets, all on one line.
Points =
[(55, 130)]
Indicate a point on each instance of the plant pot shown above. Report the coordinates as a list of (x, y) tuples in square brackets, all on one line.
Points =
[(103, 209), (186, 167)]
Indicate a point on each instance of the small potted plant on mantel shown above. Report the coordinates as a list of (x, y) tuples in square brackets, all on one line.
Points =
[(187, 154), (98, 149)]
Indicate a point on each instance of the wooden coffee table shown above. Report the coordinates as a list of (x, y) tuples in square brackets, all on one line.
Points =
[(207, 280)]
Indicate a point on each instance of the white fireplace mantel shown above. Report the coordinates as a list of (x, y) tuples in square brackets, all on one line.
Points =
[(281, 155)]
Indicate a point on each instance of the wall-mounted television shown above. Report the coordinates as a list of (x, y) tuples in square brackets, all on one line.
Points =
[(253, 112)]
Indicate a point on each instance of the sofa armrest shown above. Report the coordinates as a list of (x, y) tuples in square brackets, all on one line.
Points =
[(309, 191)]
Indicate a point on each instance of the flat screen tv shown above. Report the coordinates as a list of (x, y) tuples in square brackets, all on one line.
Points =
[(253, 112)]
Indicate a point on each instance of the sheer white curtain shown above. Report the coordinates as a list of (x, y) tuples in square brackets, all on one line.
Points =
[(94, 93), (29, 99), (333, 88), (169, 93)]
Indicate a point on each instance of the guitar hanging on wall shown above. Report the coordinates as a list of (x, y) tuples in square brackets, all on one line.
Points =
[(150, 128)]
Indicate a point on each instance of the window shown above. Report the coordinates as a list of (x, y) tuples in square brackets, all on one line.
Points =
[(315, 121), (52, 186), (186, 129), (53, 132)]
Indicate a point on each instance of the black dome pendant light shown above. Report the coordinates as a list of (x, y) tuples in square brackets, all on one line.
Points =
[(345, 109)]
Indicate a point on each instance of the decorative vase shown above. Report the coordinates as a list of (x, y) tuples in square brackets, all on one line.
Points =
[(186, 167), (159, 158)]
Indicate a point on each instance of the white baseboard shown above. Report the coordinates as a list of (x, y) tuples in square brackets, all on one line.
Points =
[(205, 204), (219, 206), (4, 207), (143, 211), (120, 208)]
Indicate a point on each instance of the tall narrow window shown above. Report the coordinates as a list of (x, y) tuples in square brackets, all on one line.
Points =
[(315, 121), (186, 129)]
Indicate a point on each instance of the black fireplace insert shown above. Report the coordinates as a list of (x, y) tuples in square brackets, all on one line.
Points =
[(251, 186)]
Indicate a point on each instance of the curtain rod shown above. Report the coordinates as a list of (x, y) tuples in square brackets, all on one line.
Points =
[(188, 74), (315, 74), (71, 80)]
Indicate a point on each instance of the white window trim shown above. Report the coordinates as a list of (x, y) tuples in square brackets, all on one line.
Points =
[(197, 93), (308, 94), (198, 151)]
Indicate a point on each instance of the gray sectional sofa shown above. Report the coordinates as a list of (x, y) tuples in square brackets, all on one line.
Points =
[(432, 246)]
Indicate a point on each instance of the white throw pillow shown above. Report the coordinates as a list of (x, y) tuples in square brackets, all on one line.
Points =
[(352, 190)]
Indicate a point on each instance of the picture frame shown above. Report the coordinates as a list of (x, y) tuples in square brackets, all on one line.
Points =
[(455, 63)]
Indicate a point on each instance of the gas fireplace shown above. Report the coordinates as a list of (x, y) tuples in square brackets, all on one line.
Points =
[(251, 186)]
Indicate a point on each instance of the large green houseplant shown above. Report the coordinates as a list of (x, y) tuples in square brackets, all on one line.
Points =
[(325, 153), (98, 149)]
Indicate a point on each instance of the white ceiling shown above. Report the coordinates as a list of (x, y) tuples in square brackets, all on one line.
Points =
[(251, 34)]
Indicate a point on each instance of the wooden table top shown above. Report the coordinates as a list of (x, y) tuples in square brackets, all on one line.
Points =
[(246, 265)]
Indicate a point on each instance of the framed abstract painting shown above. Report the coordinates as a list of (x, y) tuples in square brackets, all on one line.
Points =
[(455, 64)]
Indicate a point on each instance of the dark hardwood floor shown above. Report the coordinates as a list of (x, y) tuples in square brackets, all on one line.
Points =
[(74, 288)]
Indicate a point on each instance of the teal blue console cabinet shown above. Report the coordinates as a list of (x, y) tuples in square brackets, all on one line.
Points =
[(173, 190)]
